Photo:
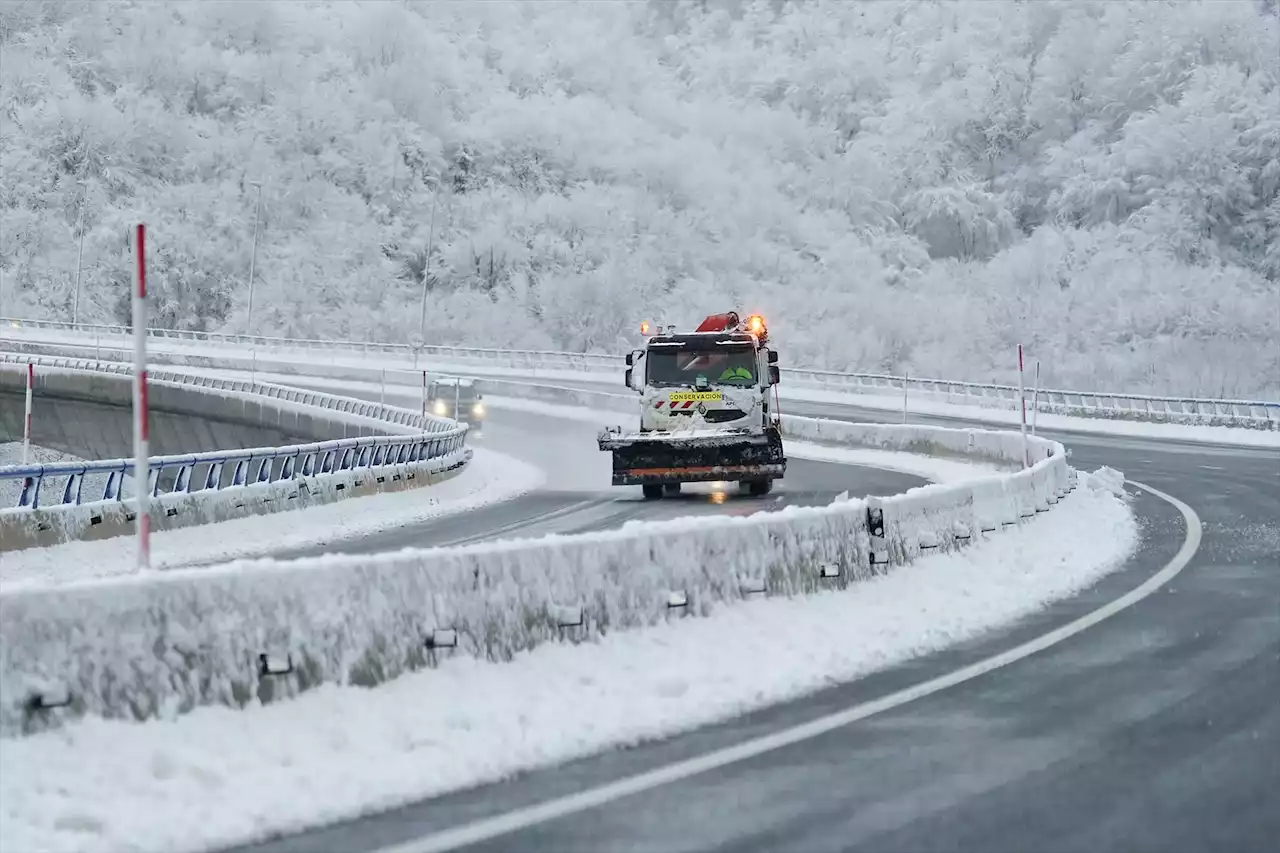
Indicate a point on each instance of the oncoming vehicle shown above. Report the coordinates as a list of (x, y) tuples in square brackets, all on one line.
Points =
[(705, 410), (457, 398)]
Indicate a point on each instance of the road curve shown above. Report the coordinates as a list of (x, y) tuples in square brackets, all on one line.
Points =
[(1158, 729), (577, 497)]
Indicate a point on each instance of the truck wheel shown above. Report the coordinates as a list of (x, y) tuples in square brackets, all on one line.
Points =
[(761, 487), (671, 488), (652, 491)]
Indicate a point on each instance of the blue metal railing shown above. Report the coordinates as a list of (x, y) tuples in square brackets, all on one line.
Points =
[(248, 467)]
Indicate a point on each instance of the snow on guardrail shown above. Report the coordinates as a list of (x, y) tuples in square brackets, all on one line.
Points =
[(161, 645), (316, 399), (1258, 414), (422, 450)]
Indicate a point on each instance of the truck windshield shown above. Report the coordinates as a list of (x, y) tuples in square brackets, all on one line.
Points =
[(725, 365), (447, 391)]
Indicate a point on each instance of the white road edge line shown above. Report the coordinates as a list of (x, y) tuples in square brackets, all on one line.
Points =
[(523, 818)]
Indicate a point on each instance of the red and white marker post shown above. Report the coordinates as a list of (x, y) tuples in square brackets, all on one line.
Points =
[(26, 423), (1022, 395), (141, 466)]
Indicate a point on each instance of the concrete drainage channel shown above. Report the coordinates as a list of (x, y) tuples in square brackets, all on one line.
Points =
[(338, 448)]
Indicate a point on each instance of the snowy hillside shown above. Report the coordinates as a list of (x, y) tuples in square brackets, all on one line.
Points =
[(898, 185)]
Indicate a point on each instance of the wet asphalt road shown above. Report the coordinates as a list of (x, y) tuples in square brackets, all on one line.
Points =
[(578, 498), (1156, 730)]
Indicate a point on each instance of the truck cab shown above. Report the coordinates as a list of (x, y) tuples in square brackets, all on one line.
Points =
[(707, 410)]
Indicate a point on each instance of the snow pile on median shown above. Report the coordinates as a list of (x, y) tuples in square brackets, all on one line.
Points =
[(489, 478), (1107, 480), (339, 752)]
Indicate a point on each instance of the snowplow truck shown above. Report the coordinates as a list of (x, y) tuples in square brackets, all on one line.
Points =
[(707, 409)]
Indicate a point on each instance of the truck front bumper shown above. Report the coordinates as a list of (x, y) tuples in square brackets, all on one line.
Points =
[(645, 458)]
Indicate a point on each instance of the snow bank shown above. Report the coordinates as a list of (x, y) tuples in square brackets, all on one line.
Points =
[(157, 645), (1107, 479), (193, 637), (302, 412), (489, 478), (337, 752), (23, 528), (1232, 436)]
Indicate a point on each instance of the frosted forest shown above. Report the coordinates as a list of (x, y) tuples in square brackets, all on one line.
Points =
[(898, 186)]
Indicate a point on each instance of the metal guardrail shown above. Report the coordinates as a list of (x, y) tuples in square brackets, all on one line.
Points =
[(439, 437), (1251, 413), (524, 358), (319, 399), (273, 464)]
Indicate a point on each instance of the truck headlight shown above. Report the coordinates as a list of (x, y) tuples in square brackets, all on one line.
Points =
[(477, 409), (440, 408)]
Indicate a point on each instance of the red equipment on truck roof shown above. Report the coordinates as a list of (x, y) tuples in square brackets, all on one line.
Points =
[(731, 322), (727, 322)]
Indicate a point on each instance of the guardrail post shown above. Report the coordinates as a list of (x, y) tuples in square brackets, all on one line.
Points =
[(26, 422), (71, 492), (213, 477), (30, 495)]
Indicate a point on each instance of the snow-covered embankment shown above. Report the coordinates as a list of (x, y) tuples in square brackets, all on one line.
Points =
[(338, 752)]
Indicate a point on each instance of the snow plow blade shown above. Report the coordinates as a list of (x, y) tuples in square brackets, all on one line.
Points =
[(644, 458)]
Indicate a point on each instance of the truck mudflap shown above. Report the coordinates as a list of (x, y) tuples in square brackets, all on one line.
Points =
[(652, 458)]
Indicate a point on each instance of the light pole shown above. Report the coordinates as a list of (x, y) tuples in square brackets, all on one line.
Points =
[(426, 269), (75, 304), (253, 259)]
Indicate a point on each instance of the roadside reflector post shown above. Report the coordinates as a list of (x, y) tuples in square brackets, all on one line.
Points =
[(141, 468), (905, 378), (270, 665), (571, 619), (26, 423), (440, 638), (878, 543), (424, 401), (47, 699), (1022, 397)]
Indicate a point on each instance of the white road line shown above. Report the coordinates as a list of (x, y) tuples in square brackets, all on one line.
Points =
[(497, 826)]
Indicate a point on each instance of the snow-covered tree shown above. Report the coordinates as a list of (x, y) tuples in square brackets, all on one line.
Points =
[(900, 185)]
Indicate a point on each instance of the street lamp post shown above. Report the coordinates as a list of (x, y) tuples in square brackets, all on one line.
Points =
[(426, 270), (253, 258), (75, 304)]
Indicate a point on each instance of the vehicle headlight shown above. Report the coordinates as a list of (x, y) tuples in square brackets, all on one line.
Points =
[(477, 409), (440, 407)]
